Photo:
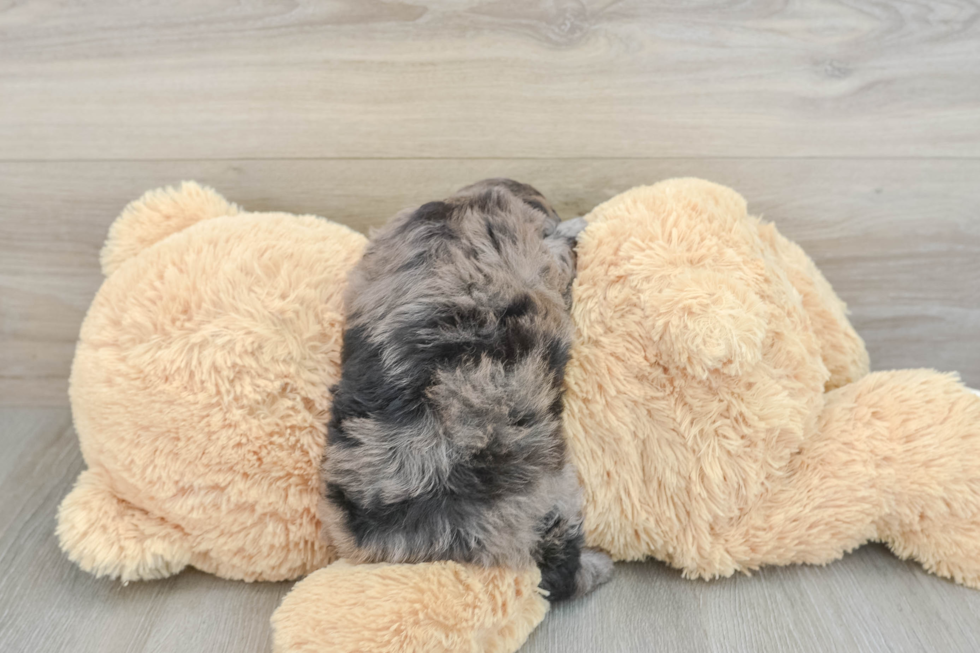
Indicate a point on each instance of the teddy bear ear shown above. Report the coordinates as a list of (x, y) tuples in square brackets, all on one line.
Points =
[(158, 214)]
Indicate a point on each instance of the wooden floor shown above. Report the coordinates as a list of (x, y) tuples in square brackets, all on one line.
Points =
[(870, 601), (853, 124)]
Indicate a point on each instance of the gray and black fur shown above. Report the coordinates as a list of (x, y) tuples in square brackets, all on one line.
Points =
[(445, 440)]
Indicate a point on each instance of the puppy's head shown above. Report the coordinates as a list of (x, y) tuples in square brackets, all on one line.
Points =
[(500, 185)]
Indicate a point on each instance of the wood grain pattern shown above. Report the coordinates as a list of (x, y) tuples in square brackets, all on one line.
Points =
[(900, 240), (853, 124), (499, 78), (869, 601)]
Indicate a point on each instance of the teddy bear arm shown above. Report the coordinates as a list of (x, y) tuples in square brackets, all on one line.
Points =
[(440, 607), (841, 348)]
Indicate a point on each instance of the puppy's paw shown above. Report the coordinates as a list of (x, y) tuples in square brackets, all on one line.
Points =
[(596, 568)]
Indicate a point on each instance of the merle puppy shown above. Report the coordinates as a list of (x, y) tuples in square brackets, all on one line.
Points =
[(445, 441)]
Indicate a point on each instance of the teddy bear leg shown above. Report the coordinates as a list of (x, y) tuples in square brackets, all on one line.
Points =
[(823, 506), (894, 458), (928, 470), (944, 543), (107, 536), (440, 607)]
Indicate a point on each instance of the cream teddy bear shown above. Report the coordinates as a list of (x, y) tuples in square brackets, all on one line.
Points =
[(718, 408)]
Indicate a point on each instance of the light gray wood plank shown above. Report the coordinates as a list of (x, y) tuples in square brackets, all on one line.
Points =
[(505, 78), (18, 429), (900, 240), (47, 604), (869, 601), (854, 125)]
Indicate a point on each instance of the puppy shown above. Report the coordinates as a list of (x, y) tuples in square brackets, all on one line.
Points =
[(445, 440)]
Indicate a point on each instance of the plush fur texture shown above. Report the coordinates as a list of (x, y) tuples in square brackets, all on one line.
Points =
[(445, 440), (200, 391), (696, 391), (717, 405), (440, 607)]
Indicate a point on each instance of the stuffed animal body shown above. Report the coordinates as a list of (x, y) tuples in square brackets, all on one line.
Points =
[(445, 440), (718, 410)]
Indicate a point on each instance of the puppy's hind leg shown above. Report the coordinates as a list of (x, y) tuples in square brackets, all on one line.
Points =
[(568, 569), (595, 569)]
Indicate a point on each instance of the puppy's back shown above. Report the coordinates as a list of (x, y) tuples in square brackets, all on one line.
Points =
[(445, 440)]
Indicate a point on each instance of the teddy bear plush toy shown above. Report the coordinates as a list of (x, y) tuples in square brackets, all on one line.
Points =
[(718, 408)]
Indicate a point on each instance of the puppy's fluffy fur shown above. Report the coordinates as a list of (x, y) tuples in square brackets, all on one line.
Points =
[(446, 439)]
